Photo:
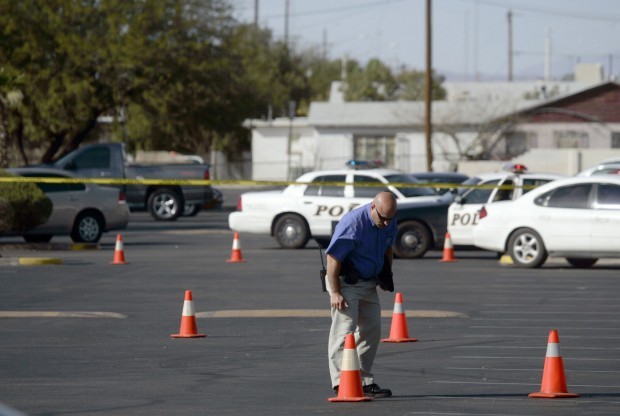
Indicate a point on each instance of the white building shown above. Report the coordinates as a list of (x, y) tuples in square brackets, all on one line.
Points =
[(394, 132)]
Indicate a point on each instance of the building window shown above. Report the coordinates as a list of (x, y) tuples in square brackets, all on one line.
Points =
[(374, 148), (570, 139), (615, 140)]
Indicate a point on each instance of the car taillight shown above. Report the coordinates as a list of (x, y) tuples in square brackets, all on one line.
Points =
[(239, 206), (207, 175), (121, 197), (482, 213)]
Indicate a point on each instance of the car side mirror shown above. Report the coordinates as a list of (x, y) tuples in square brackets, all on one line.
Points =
[(459, 199)]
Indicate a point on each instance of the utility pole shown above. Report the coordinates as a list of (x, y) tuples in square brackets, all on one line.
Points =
[(509, 45), (428, 88), (256, 13), (286, 17), (548, 55)]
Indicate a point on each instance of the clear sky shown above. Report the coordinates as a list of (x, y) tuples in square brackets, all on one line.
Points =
[(470, 37)]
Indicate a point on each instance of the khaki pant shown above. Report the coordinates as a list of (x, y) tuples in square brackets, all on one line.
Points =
[(362, 317)]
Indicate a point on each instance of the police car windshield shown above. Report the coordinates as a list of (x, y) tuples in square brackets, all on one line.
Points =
[(410, 191), (470, 181)]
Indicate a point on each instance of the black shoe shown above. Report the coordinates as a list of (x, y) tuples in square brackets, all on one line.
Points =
[(374, 390), (336, 389)]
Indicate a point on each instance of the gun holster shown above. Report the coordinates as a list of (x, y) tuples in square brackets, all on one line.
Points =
[(385, 278), (349, 273)]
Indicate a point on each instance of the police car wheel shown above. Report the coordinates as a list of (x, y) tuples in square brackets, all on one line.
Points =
[(581, 263), (527, 249), (291, 231), (412, 240)]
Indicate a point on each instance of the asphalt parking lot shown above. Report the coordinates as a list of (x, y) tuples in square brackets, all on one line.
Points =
[(86, 337)]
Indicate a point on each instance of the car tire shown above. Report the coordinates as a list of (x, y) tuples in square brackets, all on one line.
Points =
[(413, 240), (527, 249), (87, 228), (291, 231), (164, 204), (581, 263), (191, 210), (38, 238)]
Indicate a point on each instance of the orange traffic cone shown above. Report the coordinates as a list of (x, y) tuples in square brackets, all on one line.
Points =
[(553, 381), (119, 253), (188, 319), (448, 249), (398, 330), (235, 255), (350, 388)]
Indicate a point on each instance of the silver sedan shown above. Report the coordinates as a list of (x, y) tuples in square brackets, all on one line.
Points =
[(81, 210)]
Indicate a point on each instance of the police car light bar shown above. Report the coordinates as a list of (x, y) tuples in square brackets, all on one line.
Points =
[(515, 167)]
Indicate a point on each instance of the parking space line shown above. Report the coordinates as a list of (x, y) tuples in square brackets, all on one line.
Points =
[(516, 384), (477, 347), (58, 314), (316, 313), (564, 328), (483, 357), (543, 319), (546, 312), (527, 369), (504, 336)]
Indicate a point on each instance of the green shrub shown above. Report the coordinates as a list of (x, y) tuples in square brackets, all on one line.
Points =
[(30, 206)]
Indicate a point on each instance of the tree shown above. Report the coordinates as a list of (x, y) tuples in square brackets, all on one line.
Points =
[(411, 85), (10, 97), (377, 82), (162, 63)]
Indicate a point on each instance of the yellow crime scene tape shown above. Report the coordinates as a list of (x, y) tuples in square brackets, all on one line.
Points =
[(205, 182)]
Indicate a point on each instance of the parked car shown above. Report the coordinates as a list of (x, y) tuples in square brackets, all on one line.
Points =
[(499, 186), (163, 201), (441, 178), (82, 211), (577, 218), (422, 225), (311, 208), (602, 169)]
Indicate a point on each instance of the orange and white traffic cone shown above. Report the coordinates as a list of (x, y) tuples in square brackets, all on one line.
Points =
[(399, 331), (448, 250), (235, 255), (188, 319), (119, 252), (350, 388), (553, 381)]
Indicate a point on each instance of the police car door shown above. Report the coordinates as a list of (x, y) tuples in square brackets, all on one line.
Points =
[(324, 203), (463, 215)]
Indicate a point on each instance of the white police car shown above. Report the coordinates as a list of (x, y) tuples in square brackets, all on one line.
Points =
[(501, 186), (311, 208)]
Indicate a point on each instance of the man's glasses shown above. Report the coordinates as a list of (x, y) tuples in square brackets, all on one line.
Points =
[(381, 217)]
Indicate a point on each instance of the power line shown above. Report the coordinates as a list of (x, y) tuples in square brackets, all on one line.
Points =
[(339, 9), (552, 12)]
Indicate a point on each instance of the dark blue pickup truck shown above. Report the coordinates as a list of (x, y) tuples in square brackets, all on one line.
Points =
[(164, 202)]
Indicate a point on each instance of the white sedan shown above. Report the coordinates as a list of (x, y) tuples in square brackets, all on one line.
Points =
[(312, 208), (577, 218), (495, 187)]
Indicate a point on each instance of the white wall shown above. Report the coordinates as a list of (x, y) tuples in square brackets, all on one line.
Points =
[(269, 154)]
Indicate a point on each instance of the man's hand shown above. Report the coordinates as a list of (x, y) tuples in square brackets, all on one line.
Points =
[(337, 301)]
